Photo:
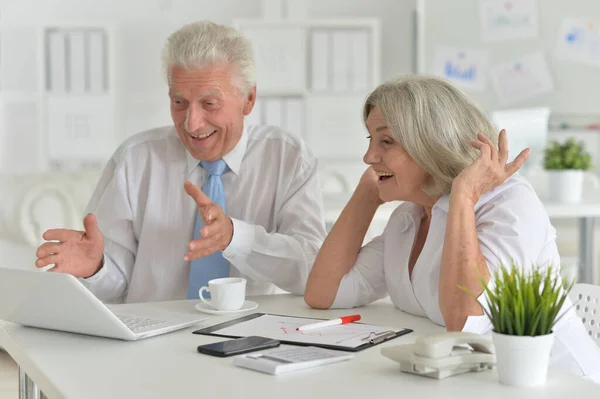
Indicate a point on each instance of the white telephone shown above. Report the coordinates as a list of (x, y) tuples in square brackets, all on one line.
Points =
[(440, 356)]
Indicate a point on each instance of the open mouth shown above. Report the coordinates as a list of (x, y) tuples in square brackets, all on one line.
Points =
[(200, 137), (384, 175)]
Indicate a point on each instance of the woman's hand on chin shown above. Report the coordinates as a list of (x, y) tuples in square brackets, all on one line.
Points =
[(368, 183)]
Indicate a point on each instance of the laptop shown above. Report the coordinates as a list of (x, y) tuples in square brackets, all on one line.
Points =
[(61, 302)]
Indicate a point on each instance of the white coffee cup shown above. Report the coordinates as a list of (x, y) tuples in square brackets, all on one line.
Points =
[(226, 293)]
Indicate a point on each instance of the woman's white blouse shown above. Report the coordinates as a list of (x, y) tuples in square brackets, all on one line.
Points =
[(512, 224)]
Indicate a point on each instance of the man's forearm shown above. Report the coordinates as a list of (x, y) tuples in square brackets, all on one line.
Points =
[(281, 259)]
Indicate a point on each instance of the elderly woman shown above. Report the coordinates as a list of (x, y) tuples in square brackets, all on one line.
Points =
[(432, 148)]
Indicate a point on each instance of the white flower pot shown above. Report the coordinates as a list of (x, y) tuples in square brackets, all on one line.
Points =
[(566, 186), (522, 361)]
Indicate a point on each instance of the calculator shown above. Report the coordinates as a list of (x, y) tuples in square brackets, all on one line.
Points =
[(286, 360)]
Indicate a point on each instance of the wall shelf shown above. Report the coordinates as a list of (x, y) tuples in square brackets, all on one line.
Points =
[(312, 78), (77, 93)]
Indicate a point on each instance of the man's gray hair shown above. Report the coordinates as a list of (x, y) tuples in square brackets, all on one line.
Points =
[(434, 122), (201, 44)]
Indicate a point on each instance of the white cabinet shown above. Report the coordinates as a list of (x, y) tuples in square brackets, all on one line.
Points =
[(313, 76), (78, 94)]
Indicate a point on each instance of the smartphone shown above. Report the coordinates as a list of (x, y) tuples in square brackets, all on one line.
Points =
[(238, 346)]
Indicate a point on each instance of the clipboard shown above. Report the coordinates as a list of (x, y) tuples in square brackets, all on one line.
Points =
[(352, 337)]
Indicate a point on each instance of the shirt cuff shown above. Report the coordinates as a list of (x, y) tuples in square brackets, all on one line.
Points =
[(477, 324), (241, 241), (100, 274), (480, 324), (343, 298), (341, 302)]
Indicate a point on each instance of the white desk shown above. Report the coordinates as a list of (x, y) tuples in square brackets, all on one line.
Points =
[(75, 366), (586, 213)]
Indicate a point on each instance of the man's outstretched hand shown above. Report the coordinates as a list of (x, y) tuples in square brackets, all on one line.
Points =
[(79, 253), (217, 231)]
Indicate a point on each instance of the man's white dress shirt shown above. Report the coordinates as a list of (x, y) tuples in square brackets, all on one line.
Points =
[(511, 224), (273, 197)]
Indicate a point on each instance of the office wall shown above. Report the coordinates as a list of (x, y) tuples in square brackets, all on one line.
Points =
[(140, 28), (574, 90)]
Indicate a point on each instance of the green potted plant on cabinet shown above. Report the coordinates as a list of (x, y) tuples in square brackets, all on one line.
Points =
[(566, 164)]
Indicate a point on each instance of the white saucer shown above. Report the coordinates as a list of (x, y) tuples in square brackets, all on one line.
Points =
[(205, 308)]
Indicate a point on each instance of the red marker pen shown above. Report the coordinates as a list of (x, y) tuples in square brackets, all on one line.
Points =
[(329, 323)]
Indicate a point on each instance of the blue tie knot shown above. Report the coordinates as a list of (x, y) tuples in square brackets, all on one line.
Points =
[(215, 168)]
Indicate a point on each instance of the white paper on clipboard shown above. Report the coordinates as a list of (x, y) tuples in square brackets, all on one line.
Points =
[(283, 328)]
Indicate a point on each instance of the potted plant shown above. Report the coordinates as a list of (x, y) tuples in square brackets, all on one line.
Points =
[(523, 306), (566, 164)]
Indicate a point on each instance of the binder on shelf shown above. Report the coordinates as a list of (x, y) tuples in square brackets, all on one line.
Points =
[(77, 62), (340, 44), (359, 60), (320, 61), (98, 64), (56, 67)]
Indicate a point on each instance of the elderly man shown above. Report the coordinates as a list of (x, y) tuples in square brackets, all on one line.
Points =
[(152, 234)]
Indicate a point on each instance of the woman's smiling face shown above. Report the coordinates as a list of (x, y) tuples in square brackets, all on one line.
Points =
[(400, 178)]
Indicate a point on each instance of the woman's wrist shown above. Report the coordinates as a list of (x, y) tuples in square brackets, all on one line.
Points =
[(368, 195), (462, 194)]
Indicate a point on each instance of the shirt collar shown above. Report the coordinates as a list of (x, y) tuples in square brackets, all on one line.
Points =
[(233, 158), (407, 215), (443, 202)]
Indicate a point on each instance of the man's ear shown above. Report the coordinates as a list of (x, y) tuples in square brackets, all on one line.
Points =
[(250, 101)]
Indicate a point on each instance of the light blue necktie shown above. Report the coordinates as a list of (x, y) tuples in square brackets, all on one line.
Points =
[(214, 265)]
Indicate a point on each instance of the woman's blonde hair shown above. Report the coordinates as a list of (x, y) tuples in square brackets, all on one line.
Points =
[(435, 123)]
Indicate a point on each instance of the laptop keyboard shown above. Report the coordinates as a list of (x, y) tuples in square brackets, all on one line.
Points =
[(138, 323)]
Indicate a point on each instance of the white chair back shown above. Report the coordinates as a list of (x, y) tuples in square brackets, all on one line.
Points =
[(586, 298)]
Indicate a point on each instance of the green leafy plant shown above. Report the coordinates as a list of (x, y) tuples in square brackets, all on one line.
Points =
[(569, 155), (523, 303)]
